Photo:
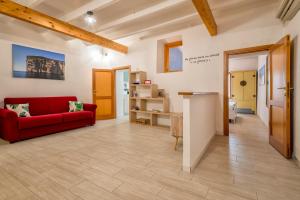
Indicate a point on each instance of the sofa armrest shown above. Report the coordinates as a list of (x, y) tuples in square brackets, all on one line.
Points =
[(4, 113), (91, 107), (9, 125)]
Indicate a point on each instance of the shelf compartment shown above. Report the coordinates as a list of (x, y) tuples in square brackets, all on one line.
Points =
[(143, 85), (148, 98), (152, 112)]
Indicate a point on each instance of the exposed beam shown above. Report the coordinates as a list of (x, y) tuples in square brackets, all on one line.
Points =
[(158, 26), (31, 3), (139, 14), (170, 29), (26, 14), (34, 3), (206, 16), (92, 5)]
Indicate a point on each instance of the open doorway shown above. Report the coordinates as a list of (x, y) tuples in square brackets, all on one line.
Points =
[(247, 93), (238, 53), (122, 92), (247, 86), (111, 92), (279, 92)]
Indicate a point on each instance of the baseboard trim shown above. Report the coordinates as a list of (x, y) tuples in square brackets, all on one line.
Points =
[(186, 169), (195, 164), (297, 161), (219, 133)]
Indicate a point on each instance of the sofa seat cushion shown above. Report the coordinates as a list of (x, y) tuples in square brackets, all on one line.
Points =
[(76, 116), (40, 120)]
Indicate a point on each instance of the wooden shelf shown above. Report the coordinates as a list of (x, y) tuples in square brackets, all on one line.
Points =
[(148, 98), (137, 72), (151, 112), (143, 85), (162, 126), (150, 91)]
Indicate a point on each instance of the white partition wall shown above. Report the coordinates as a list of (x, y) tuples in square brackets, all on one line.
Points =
[(199, 126)]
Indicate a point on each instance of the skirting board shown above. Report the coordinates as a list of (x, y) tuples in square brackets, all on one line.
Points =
[(218, 132), (190, 169), (297, 161)]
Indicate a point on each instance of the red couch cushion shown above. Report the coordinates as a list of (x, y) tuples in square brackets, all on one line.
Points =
[(43, 105), (37, 121), (76, 116)]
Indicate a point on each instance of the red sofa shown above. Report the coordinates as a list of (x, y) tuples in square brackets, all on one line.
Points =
[(48, 115)]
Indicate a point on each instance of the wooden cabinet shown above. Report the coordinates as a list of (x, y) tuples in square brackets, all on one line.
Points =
[(243, 89)]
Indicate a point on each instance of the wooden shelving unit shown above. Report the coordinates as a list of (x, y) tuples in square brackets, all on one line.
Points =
[(143, 94)]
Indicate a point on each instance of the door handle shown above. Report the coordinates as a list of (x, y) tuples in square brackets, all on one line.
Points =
[(281, 88)]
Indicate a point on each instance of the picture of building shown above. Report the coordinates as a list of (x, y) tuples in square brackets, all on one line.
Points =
[(35, 63)]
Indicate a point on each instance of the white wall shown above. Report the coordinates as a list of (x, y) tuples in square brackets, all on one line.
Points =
[(79, 61), (199, 127), (206, 76), (262, 109), (243, 64), (293, 29)]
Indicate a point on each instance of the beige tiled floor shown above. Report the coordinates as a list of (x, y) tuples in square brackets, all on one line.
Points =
[(115, 160)]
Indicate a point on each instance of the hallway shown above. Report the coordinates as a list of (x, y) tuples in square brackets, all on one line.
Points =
[(245, 164)]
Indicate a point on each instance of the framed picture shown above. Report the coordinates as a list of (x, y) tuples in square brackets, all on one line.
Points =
[(267, 81), (262, 75), (36, 63)]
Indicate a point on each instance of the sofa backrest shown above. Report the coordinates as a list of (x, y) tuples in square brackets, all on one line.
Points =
[(43, 105)]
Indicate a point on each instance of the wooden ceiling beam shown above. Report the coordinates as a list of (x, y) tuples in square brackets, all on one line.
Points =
[(34, 3), (26, 14), (29, 3), (90, 6), (184, 19), (206, 15), (140, 13)]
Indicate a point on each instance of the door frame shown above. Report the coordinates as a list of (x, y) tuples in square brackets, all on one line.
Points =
[(113, 92), (114, 69), (225, 78), (128, 67)]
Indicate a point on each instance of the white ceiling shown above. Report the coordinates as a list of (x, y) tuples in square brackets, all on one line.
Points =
[(117, 19)]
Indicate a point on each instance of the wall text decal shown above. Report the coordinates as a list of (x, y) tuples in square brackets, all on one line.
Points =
[(201, 59)]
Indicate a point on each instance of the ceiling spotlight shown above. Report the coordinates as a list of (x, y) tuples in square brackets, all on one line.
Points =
[(89, 18)]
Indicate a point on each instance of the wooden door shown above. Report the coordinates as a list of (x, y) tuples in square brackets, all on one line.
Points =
[(280, 94), (104, 93), (250, 90), (243, 87), (237, 92)]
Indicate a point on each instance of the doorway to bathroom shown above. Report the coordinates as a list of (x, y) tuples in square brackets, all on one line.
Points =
[(122, 92)]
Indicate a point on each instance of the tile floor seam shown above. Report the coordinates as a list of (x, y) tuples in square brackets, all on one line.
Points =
[(122, 183), (234, 155), (162, 188)]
